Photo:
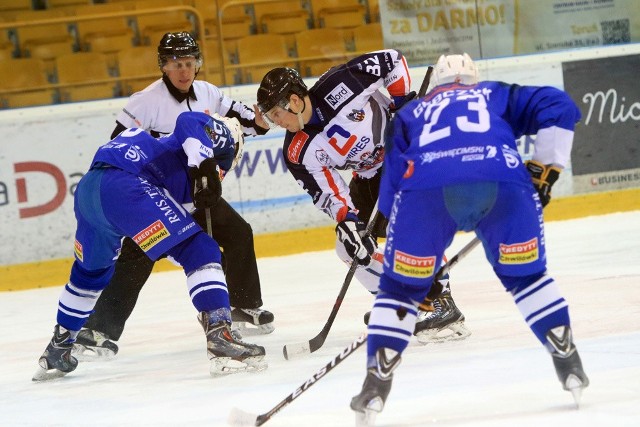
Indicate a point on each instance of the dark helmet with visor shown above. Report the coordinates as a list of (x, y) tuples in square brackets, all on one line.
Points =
[(178, 45), (276, 87)]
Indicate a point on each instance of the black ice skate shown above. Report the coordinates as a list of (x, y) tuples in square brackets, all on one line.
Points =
[(93, 345), (376, 388), (252, 321), (228, 354), (440, 320), (567, 361), (56, 361)]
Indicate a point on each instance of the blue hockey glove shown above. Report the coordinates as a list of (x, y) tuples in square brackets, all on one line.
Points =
[(352, 234), (543, 177), (399, 101), (207, 188)]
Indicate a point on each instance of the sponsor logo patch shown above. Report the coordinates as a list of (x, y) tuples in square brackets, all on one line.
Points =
[(413, 266), (151, 235), (519, 253), (77, 250), (338, 96), (295, 148)]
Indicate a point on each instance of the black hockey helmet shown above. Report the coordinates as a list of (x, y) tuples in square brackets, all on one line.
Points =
[(276, 87), (178, 45)]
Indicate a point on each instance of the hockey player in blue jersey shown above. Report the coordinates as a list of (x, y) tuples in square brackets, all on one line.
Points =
[(135, 188), (451, 164)]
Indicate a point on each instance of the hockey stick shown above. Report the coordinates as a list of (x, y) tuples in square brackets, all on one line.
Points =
[(457, 258), (207, 211), (316, 342), (304, 348), (238, 418)]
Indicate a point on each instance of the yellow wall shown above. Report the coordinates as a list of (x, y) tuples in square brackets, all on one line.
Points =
[(56, 272)]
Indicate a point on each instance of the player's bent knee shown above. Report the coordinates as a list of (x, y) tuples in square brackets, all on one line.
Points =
[(514, 284)]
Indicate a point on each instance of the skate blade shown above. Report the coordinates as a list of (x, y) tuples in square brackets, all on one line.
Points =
[(249, 329), (44, 374), (221, 366), (92, 354), (575, 386), (366, 418), (454, 332)]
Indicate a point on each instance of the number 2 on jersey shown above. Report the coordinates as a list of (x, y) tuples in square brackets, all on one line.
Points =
[(478, 122)]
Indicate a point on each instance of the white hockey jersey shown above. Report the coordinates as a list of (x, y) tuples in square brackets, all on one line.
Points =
[(346, 132)]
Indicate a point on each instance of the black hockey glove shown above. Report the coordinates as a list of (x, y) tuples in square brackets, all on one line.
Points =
[(207, 188), (399, 101), (543, 177), (352, 234)]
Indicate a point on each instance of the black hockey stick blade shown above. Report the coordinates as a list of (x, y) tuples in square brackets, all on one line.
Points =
[(425, 82), (238, 417), (292, 351)]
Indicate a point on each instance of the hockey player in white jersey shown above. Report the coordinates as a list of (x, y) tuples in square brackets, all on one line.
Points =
[(451, 165), (135, 187), (338, 124)]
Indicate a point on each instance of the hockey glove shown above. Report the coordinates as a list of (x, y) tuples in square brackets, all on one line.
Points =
[(352, 234), (399, 101), (543, 177), (207, 188)]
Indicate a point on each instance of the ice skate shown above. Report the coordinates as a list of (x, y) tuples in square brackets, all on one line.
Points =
[(93, 345), (376, 388), (440, 320), (56, 361), (567, 361), (229, 355), (252, 321)]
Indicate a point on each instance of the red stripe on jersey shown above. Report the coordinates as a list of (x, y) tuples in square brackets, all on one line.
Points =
[(342, 213)]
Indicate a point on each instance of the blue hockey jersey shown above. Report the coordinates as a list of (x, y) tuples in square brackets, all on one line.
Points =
[(462, 134), (165, 161)]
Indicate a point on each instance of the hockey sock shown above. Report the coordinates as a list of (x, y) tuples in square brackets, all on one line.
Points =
[(391, 324), (542, 306)]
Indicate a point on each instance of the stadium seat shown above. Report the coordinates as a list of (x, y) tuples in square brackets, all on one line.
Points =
[(82, 77), (259, 53), (140, 64), (338, 13), (368, 37), (319, 49), (55, 34), (29, 79), (104, 34), (10, 8), (281, 17), (68, 6), (152, 25), (212, 67)]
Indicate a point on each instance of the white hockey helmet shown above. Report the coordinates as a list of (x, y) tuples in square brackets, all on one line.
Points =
[(238, 136), (454, 69)]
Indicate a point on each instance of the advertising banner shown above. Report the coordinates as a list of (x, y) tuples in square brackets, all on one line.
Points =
[(606, 149), (425, 29)]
